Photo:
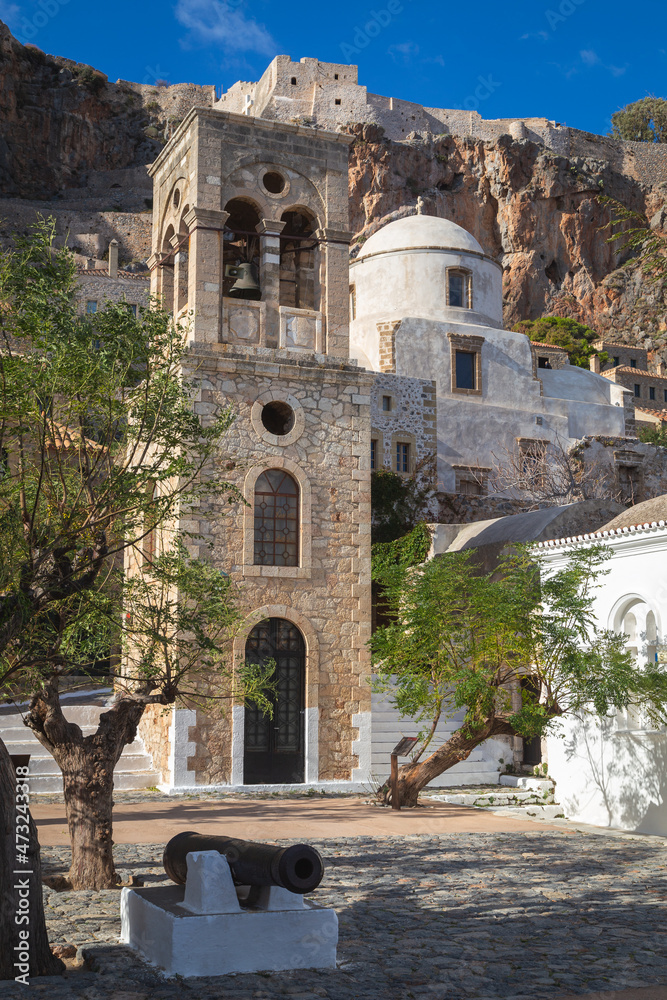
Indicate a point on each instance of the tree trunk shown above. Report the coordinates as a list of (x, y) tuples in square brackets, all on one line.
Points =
[(87, 764), (413, 777), (25, 947)]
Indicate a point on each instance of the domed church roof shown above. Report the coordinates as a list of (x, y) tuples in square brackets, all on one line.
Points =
[(642, 513), (419, 232)]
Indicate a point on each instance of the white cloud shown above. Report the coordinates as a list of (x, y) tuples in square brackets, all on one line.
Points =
[(543, 36), (222, 22), (403, 51), (589, 57)]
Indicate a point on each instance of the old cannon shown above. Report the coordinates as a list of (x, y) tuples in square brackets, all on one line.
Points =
[(298, 868)]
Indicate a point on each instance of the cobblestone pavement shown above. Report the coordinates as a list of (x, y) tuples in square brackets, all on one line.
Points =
[(444, 917)]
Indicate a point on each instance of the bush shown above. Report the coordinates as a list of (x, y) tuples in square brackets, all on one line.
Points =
[(642, 121), (654, 434), (91, 79), (575, 338)]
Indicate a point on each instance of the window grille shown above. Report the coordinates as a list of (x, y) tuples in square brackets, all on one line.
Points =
[(276, 519)]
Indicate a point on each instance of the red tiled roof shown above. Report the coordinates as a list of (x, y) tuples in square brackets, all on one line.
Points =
[(624, 347), (635, 371), (102, 272), (552, 347), (655, 413)]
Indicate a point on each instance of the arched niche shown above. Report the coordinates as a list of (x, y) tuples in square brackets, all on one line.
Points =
[(300, 285), (241, 242)]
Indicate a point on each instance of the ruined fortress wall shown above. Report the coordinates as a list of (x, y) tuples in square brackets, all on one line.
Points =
[(174, 101), (329, 96)]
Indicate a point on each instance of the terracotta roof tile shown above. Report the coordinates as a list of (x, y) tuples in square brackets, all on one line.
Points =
[(102, 272)]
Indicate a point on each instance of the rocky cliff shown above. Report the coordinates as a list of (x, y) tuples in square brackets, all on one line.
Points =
[(537, 212), (75, 145)]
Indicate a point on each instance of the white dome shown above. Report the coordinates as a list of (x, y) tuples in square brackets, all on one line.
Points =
[(419, 232)]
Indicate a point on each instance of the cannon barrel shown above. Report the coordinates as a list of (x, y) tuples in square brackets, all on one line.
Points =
[(298, 868)]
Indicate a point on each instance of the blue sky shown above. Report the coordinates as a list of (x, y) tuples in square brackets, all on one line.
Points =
[(574, 61)]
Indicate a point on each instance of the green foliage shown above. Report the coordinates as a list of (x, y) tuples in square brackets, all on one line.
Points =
[(409, 550), (575, 338), (101, 446), (177, 622), (642, 121), (91, 79), (462, 640), (398, 503), (654, 434), (642, 245)]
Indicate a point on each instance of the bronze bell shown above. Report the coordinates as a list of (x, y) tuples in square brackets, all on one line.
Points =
[(246, 285)]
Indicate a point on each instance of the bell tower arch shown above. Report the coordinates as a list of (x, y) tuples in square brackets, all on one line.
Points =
[(265, 239)]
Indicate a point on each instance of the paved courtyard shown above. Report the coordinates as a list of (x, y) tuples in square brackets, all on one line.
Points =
[(464, 915)]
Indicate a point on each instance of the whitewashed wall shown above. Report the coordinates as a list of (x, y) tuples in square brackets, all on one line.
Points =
[(483, 766), (613, 772)]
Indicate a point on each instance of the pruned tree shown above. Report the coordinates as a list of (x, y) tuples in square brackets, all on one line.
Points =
[(461, 642), (544, 473), (100, 446), (177, 620)]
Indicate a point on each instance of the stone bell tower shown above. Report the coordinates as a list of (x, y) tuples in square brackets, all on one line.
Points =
[(250, 248)]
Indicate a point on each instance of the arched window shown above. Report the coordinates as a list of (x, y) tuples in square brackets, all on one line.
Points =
[(274, 744), (459, 288), (299, 261), (276, 519)]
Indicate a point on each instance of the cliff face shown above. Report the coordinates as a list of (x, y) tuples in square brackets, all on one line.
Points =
[(535, 211), (76, 146), (59, 120)]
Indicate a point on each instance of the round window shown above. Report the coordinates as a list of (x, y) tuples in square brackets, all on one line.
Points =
[(273, 182), (278, 418), (177, 198)]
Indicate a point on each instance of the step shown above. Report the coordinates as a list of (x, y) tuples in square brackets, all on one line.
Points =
[(524, 781), (492, 799), (532, 812), (128, 763), (53, 784), (32, 745)]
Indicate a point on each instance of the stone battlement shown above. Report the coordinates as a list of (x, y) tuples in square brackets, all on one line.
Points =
[(328, 95)]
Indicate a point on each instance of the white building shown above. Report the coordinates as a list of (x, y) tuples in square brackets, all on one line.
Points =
[(613, 772), (426, 302)]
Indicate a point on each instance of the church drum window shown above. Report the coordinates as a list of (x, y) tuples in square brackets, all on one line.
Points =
[(459, 288), (274, 745), (276, 519)]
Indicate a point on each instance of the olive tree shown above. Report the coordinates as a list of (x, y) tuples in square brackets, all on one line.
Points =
[(99, 447), (460, 642)]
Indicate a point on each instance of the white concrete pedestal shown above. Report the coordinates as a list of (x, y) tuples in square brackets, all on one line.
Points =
[(202, 929)]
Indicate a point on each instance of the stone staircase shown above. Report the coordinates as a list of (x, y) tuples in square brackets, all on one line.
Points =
[(516, 795), (133, 771)]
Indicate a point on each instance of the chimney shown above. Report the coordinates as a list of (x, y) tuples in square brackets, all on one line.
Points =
[(595, 363), (113, 259), (661, 369), (90, 264)]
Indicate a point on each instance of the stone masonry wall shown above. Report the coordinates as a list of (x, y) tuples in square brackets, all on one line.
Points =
[(99, 287), (154, 731), (328, 595), (412, 418)]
